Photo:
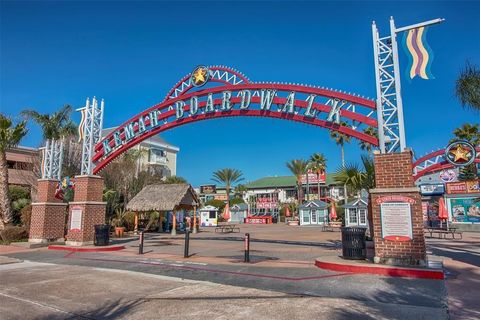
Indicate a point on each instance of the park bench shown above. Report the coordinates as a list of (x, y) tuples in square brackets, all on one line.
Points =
[(227, 228), (444, 232)]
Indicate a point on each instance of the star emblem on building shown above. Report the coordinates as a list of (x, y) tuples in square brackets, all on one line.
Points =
[(200, 76), (460, 153)]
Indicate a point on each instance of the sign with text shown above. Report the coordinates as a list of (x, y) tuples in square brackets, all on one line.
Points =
[(432, 189), (396, 220), (471, 186), (266, 203), (314, 178), (208, 189), (76, 218)]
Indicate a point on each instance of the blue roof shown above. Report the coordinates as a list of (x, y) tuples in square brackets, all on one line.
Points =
[(314, 203)]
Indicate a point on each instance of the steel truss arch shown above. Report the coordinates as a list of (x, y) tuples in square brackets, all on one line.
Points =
[(434, 162)]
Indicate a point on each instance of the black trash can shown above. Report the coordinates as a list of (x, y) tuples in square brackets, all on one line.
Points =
[(353, 243), (102, 235)]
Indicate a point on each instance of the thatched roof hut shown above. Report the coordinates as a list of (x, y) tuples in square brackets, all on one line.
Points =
[(164, 197)]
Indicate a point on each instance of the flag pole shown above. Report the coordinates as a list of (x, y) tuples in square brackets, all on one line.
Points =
[(418, 25)]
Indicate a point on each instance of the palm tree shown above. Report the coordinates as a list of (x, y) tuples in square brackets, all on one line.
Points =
[(10, 137), (356, 178), (467, 87), (340, 139), (318, 163), (365, 145), (298, 167), (468, 132), (56, 126), (174, 180), (228, 177)]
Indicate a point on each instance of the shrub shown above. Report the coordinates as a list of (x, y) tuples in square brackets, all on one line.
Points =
[(129, 222), (26, 216), (18, 192), (14, 233)]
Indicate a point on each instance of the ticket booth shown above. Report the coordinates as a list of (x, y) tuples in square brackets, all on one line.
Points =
[(208, 216), (313, 213), (238, 213), (356, 213)]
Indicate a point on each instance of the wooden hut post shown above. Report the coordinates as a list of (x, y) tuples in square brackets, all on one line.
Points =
[(174, 223), (194, 219), (135, 228)]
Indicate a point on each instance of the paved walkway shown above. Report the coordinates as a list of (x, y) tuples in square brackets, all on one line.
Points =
[(48, 291)]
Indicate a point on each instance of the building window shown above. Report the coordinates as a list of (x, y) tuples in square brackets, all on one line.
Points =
[(352, 216), (306, 217), (18, 165), (363, 216), (157, 156)]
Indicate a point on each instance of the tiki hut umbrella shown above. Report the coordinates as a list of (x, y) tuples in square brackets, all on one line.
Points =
[(163, 198)]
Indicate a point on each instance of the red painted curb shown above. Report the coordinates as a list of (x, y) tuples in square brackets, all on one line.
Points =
[(80, 249), (384, 271)]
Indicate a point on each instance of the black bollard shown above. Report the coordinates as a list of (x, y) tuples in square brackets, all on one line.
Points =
[(247, 248), (140, 244), (187, 244)]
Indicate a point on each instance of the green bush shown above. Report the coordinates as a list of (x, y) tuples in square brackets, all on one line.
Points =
[(129, 221), (18, 192)]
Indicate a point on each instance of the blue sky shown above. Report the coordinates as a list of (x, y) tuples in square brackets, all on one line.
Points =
[(132, 53)]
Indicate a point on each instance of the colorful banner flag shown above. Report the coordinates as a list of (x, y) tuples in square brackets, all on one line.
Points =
[(81, 126), (419, 54)]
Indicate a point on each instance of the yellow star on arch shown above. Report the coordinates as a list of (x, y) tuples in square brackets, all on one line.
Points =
[(460, 153), (199, 75)]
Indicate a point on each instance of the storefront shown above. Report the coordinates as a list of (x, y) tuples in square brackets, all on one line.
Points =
[(208, 216), (431, 193), (238, 213), (313, 213), (356, 213), (463, 204)]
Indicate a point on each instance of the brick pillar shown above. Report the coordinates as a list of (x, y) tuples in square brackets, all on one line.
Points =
[(395, 189), (48, 214), (86, 210)]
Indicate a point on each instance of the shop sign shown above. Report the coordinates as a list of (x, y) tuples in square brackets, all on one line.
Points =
[(463, 187), (448, 175), (396, 221), (313, 178), (221, 197), (460, 153), (266, 203), (208, 189), (432, 189), (465, 210), (76, 218), (394, 199)]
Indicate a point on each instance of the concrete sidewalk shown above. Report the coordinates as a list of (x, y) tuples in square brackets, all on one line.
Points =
[(33, 290)]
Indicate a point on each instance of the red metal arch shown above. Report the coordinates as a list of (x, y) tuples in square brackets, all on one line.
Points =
[(437, 166), (213, 69), (101, 160)]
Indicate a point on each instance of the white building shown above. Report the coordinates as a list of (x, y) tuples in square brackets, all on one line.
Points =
[(158, 156)]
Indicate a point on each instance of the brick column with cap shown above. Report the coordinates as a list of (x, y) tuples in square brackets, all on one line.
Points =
[(86, 210), (394, 184), (47, 222)]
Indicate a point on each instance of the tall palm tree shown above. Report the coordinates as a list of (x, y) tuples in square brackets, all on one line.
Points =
[(340, 139), (55, 126), (468, 132), (356, 178), (10, 136), (174, 180), (228, 177), (365, 145), (298, 167), (318, 163), (467, 87)]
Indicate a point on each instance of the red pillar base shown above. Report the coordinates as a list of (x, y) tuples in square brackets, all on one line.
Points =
[(48, 215), (397, 241), (86, 210)]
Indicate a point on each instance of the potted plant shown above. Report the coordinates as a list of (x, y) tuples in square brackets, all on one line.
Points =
[(118, 222)]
